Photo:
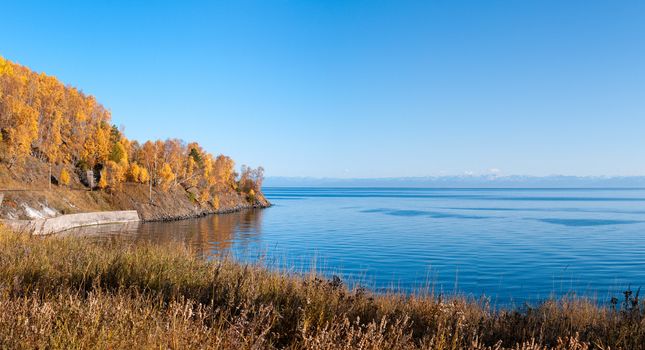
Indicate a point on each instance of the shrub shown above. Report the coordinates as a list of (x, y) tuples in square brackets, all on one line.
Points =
[(64, 177), (134, 172), (103, 183), (144, 176)]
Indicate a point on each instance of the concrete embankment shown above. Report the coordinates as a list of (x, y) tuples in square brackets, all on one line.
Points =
[(66, 222)]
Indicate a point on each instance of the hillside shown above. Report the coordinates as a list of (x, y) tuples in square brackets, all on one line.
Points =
[(59, 154)]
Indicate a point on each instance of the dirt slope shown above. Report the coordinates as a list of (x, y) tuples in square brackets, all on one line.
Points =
[(29, 195)]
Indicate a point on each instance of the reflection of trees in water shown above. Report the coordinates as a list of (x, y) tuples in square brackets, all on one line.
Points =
[(248, 230), (213, 235), (210, 235)]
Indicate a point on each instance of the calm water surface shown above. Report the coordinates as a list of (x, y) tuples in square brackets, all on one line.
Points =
[(513, 245)]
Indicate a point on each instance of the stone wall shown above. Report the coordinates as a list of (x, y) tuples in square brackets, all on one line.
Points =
[(66, 222)]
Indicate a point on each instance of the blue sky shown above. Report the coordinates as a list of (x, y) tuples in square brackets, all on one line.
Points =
[(359, 88)]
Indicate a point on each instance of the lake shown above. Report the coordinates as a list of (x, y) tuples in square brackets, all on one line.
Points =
[(512, 245)]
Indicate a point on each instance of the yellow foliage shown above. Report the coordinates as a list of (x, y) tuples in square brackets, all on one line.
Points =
[(204, 196), (97, 146), (116, 174), (20, 128), (64, 177), (167, 176), (190, 171), (224, 169), (137, 173), (144, 176), (61, 125), (103, 181), (134, 172), (5, 67), (208, 171)]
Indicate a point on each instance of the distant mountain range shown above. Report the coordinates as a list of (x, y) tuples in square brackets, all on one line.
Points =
[(465, 181)]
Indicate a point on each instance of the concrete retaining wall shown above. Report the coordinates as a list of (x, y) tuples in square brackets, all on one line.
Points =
[(66, 222)]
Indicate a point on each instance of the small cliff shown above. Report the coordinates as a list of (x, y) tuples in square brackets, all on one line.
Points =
[(29, 196)]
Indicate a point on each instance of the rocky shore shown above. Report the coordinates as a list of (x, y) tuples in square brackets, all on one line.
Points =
[(221, 211)]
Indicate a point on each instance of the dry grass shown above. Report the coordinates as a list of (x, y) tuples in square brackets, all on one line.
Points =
[(73, 293)]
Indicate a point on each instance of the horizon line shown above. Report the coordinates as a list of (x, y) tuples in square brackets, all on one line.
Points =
[(455, 175)]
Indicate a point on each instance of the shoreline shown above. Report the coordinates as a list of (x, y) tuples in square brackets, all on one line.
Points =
[(152, 296), (172, 204), (230, 210), (62, 223), (224, 211)]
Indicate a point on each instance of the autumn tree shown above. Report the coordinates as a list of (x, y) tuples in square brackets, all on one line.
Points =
[(18, 113), (60, 125), (224, 168), (19, 132), (144, 176), (148, 157), (134, 172), (166, 176), (103, 183), (51, 95), (64, 177), (115, 173), (175, 156), (96, 148), (118, 153), (251, 179)]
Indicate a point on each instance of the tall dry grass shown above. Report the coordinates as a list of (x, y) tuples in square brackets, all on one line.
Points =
[(75, 294)]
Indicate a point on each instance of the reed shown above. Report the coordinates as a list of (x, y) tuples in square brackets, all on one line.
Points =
[(74, 293)]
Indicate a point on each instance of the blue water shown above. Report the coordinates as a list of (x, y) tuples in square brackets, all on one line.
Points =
[(512, 245)]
